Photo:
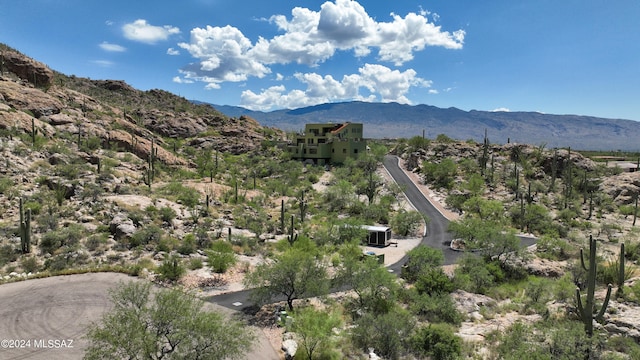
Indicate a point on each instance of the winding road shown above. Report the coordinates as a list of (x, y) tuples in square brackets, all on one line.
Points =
[(436, 237), (47, 318)]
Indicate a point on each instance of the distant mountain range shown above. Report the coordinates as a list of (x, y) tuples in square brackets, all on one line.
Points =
[(392, 120)]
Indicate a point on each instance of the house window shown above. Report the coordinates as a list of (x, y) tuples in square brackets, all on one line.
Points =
[(310, 141), (344, 151), (313, 151), (355, 151), (333, 151)]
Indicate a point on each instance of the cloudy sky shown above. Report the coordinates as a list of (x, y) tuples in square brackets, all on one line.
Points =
[(562, 57)]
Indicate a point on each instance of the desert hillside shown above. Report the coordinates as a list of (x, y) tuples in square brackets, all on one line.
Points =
[(97, 176)]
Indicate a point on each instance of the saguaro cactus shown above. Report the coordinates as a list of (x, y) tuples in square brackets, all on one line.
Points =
[(303, 206), (621, 272), (293, 237), (34, 131), (588, 311), (282, 215), (25, 229)]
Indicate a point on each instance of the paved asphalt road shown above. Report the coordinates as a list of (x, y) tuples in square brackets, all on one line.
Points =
[(436, 237)]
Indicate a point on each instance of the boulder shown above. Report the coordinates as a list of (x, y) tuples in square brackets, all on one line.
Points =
[(290, 347), (27, 69), (121, 226)]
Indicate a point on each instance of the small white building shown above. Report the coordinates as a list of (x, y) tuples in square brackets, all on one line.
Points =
[(378, 235)]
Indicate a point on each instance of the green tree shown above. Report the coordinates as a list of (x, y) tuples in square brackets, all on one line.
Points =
[(437, 341), (314, 328), (388, 334), (372, 283), (295, 274), (472, 274), (486, 210), (441, 174), (170, 324), (406, 222), (419, 260)]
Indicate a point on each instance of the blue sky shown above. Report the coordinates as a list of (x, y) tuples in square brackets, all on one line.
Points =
[(561, 57)]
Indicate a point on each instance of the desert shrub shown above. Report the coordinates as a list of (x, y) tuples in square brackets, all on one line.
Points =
[(95, 241), (5, 184), (48, 221), (69, 171), (188, 245), (221, 256), (248, 244), (68, 236), (92, 191), (148, 234), (195, 263), (29, 264), (171, 269), (441, 174), (472, 274), (438, 308), (144, 263), (8, 254), (553, 248), (436, 341), (137, 216), (90, 144), (167, 214), (434, 281), (65, 260), (387, 333), (34, 206), (183, 194)]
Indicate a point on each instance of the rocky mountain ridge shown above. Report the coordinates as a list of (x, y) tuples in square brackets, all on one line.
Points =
[(392, 120)]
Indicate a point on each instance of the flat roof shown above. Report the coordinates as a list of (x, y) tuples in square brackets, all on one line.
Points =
[(376, 228)]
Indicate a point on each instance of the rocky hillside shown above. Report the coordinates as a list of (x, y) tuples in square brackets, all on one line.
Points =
[(84, 155), (113, 111)]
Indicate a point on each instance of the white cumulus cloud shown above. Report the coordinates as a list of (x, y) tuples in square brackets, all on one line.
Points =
[(112, 47), (223, 55), (173, 52), (310, 38), (381, 83), (179, 80), (144, 32)]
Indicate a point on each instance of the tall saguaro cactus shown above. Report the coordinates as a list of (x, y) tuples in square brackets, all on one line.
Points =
[(25, 229), (621, 272), (293, 236), (588, 311), (282, 215)]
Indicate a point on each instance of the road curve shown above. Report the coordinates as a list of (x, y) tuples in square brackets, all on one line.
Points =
[(437, 236)]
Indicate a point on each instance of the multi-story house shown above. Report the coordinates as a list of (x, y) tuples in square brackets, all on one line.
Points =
[(328, 143)]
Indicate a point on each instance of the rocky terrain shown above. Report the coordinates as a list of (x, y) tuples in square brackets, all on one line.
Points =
[(78, 151), (118, 179)]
